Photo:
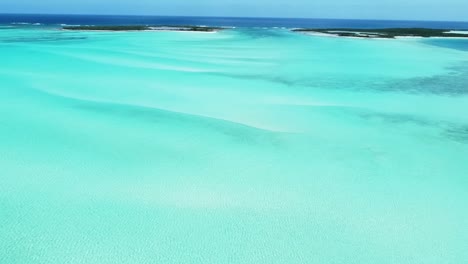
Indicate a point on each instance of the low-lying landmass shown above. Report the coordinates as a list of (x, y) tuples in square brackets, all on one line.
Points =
[(385, 32), (145, 28)]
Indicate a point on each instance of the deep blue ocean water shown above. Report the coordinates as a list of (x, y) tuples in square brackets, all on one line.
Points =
[(221, 21)]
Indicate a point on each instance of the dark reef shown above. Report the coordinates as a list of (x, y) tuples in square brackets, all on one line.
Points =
[(141, 28), (384, 32)]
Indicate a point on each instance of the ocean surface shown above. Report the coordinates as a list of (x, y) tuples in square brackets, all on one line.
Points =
[(249, 145)]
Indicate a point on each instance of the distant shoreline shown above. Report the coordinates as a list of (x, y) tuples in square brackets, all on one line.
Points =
[(188, 28), (385, 33)]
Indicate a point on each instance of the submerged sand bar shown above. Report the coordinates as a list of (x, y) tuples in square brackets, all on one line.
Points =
[(385, 32)]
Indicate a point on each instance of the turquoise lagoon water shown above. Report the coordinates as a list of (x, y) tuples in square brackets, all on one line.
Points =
[(243, 146)]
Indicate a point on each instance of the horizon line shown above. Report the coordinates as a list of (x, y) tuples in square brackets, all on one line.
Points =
[(261, 17)]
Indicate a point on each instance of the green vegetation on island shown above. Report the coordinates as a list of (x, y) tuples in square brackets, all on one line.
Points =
[(141, 28), (384, 32)]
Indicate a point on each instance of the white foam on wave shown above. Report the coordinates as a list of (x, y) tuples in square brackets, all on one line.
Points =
[(409, 37), (458, 32), (26, 23)]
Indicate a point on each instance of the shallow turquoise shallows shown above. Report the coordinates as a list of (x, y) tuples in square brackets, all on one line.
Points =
[(242, 146)]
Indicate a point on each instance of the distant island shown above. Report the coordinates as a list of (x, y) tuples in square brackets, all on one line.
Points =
[(145, 28), (385, 32)]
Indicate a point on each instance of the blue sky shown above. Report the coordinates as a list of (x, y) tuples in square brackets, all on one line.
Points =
[(363, 9)]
